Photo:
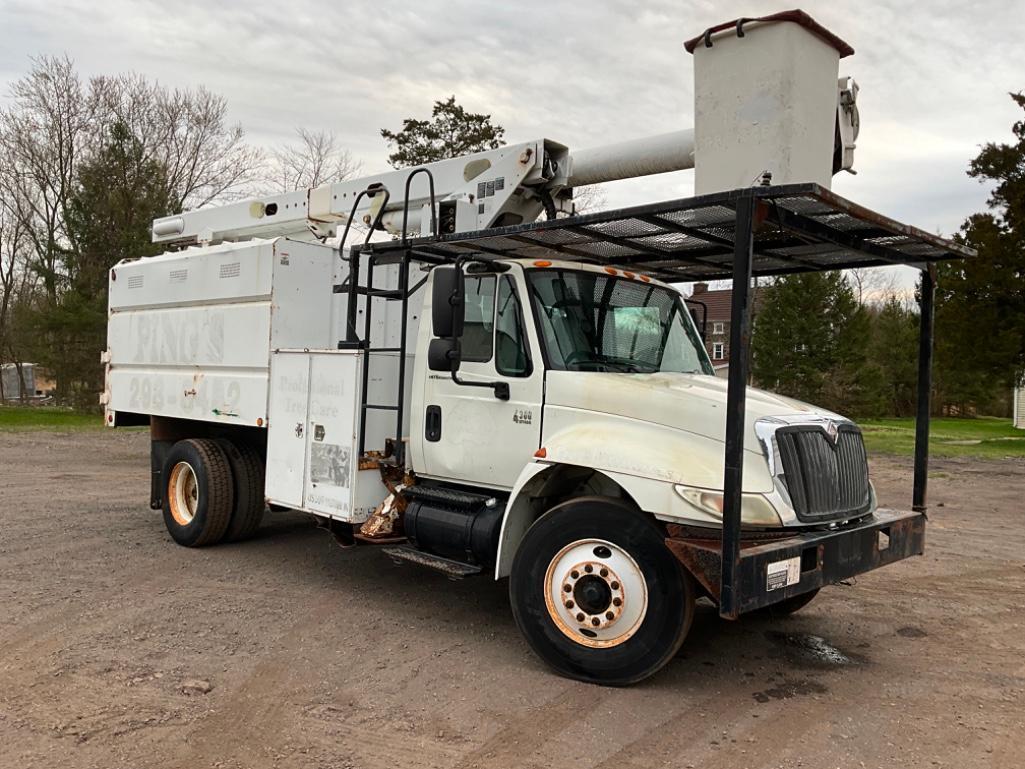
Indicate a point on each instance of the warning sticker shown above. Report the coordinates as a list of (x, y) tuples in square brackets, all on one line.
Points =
[(783, 573)]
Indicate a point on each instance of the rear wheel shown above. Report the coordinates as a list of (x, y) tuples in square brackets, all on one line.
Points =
[(597, 594), (247, 471), (199, 493)]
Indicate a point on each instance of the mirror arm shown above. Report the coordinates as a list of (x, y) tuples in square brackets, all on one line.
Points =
[(501, 388)]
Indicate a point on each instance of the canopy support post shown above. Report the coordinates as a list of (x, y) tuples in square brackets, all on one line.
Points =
[(736, 402), (926, 303)]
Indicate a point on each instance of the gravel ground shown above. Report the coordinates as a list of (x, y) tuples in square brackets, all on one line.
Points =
[(120, 649)]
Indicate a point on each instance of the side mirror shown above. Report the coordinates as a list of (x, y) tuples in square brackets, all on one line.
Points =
[(447, 302), (443, 355), (697, 322)]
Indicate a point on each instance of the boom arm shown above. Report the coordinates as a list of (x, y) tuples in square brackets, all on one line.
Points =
[(509, 185)]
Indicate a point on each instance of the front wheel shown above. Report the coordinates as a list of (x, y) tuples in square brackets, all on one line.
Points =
[(598, 595)]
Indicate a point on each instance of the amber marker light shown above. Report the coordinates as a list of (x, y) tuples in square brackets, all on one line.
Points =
[(541, 453), (542, 263)]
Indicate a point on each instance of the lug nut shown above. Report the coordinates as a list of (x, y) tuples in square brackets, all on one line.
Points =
[(589, 568), (569, 604), (574, 574), (596, 622), (567, 588), (604, 572), (614, 585), (580, 617), (609, 615), (617, 601)]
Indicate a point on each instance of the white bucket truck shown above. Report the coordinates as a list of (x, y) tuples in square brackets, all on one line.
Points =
[(530, 401)]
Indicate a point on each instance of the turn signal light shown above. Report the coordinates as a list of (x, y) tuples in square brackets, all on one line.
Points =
[(541, 453)]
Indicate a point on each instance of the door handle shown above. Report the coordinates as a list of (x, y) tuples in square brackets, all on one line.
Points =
[(432, 424)]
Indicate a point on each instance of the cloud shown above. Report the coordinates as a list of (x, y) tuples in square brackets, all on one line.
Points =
[(934, 76)]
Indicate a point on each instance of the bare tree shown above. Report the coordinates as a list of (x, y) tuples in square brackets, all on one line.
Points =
[(872, 285), (54, 123), (589, 199), (316, 158), (188, 133), (42, 137)]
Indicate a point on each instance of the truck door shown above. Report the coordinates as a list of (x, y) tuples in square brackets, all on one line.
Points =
[(471, 436)]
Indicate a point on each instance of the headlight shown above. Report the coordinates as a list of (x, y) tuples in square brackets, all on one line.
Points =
[(754, 508)]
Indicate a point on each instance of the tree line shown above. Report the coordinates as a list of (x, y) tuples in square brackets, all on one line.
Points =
[(86, 165)]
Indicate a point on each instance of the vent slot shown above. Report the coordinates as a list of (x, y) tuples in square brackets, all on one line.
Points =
[(135, 281), (231, 270), (178, 276)]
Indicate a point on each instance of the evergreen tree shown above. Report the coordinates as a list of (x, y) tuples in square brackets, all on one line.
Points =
[(118, 192), (980, 313), (810, 342), (893, 354), (451, 131)]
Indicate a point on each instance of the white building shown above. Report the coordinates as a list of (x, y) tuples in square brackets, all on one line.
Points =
[(1018, 413)]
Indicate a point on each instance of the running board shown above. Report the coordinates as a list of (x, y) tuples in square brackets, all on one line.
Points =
[(448, 567)]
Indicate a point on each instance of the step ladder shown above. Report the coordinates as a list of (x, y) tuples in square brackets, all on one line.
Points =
[(394, 449)]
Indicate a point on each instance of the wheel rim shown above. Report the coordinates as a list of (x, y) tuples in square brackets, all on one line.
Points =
[(595, 593), (183, 491)]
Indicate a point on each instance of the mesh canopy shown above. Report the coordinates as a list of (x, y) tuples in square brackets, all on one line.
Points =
[(801, 228)]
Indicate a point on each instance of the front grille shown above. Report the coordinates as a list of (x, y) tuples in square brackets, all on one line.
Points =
[(824, 480)]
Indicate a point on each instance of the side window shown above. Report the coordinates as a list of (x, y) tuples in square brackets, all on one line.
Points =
[(511, 355), (478, 317)]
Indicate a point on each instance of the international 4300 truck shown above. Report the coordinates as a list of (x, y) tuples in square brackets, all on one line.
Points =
[(488, 394)]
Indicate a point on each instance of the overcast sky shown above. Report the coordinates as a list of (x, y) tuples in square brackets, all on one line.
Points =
[(934, 76)]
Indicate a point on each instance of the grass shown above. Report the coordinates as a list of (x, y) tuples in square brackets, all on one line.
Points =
[(22, 418), (982, 437)]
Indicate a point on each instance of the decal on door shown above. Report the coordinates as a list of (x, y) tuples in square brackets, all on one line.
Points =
[(330, 464), (523, 416)]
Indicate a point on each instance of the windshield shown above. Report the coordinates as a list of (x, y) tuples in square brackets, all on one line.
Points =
[(595, 322)]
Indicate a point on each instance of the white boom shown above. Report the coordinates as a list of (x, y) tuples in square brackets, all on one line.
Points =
[(767, 101)]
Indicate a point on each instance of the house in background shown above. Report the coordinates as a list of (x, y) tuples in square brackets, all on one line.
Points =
[(1018, 414), (11, 381), (717, 326)]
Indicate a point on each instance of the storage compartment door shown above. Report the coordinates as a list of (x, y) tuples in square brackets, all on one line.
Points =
[(286, 431), (333, 431)]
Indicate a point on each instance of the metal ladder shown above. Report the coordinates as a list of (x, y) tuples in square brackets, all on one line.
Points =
[(396, 451)]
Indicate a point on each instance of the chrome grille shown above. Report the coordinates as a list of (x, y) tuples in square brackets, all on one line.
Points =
[(825, 480)]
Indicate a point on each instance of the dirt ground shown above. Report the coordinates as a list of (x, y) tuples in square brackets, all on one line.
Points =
[(319, 657)]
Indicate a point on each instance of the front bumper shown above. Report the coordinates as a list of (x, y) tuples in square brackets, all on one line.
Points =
[(772, 570)]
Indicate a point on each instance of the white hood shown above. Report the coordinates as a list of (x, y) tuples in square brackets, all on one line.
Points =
[(694, 403)]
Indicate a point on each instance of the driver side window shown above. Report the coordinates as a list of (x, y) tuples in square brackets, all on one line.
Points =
[(478, 317)]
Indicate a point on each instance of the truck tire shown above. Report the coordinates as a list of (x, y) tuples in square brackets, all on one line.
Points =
[(249, 504), (598, 595), (199, 492)]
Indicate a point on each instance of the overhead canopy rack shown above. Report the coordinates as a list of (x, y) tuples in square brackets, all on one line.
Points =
[(740, 234), (804, 227)]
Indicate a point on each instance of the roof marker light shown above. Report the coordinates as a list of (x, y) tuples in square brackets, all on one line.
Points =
[(645, 278), (542, 263), (611, 270)]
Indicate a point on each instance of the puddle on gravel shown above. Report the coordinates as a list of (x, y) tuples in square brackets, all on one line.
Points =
[(787, 689), (811, 649)]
